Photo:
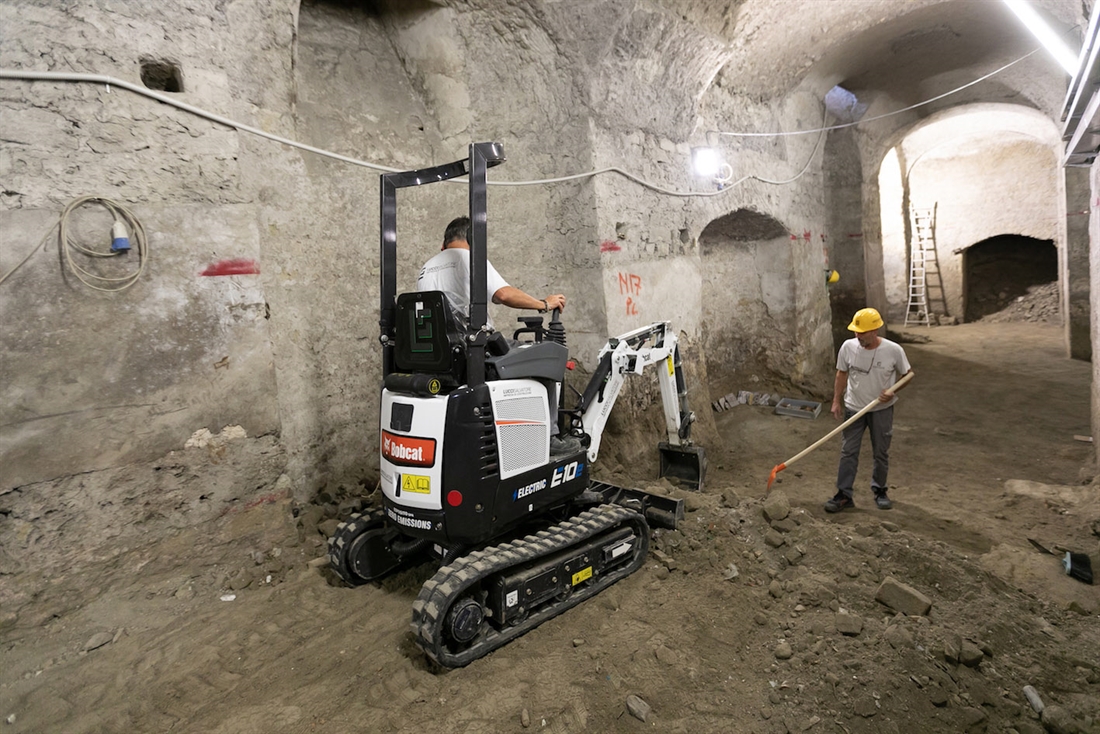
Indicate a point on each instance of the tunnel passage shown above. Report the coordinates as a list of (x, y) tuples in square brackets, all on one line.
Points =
[(749, 307), (1000, 269)]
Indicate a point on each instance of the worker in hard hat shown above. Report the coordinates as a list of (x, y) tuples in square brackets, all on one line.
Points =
[(866, 368)]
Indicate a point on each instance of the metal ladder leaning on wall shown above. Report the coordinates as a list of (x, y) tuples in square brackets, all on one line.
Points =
[(925, 282)]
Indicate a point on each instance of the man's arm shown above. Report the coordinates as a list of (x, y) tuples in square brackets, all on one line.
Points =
[(515, 298), (888, 395), (840, 386)]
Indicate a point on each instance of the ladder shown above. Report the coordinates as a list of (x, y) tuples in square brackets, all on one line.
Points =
[(925, 281)]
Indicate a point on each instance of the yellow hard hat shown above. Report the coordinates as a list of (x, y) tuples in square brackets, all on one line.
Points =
[(832, 276), (866, 319)]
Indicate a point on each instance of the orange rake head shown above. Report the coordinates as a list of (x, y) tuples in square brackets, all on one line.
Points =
[(771, 477)]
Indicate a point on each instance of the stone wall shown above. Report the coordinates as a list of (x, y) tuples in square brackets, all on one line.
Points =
[(93, 379)]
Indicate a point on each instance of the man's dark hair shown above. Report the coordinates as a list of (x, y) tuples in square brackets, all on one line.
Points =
[(458, 229)]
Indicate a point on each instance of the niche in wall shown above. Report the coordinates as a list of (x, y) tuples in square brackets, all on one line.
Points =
[(161, 75), (1000, 269), (749, 305)]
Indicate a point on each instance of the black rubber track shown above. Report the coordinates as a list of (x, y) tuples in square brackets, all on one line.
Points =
[(450, 583), (340, 540)]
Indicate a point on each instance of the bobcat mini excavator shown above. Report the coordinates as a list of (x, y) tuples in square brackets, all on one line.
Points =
[(467, 476)]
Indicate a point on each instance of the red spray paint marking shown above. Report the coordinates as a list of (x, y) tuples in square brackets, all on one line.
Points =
[(267, 499), (609, 246), (857, 234), (239, 266)]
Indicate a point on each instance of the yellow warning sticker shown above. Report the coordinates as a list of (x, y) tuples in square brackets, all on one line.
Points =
[(434, 386), (583, 575), (671, 367), (416, 483)]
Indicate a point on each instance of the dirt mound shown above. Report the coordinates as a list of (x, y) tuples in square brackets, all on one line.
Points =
[(1038, 305)]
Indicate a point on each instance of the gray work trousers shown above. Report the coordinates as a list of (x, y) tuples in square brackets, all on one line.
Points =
[(881, 425)]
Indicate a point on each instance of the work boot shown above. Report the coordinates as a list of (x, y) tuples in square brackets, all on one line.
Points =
[(565, 445), (882, 501), (839, 502)]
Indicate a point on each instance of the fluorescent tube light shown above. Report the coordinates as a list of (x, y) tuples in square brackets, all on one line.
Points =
[(1051, 40)]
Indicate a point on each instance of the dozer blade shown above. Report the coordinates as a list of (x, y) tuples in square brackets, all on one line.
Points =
[(686, 465)]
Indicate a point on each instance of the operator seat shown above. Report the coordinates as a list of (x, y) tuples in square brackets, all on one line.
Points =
[(430, 343)]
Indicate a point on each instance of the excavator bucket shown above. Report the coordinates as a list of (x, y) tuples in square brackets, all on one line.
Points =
[(685, 465)]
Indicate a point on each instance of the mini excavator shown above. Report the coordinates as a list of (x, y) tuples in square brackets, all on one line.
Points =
[(468, 479)]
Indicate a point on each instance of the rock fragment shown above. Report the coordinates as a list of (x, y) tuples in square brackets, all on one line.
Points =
[(776, 506), (638, 708), (98, 640), (970, 654), (898, 637), (1057, 720), (848, 624), (783, 650), (973, 716), (902, 598)]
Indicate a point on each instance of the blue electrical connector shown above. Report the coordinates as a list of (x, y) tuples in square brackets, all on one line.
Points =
[(120, 237)]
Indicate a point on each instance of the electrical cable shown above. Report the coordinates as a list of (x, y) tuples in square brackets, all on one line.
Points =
[(67, 244), (33, 250), (18, 74), (198, 111), (877, 117)]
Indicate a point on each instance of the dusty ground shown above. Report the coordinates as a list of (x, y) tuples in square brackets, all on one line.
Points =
[(111, 632)]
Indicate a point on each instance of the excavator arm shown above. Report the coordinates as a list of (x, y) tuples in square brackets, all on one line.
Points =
[(631, 353)]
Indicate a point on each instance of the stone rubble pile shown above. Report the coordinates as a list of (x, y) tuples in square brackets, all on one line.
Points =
[(863, 625), (1038, 305)]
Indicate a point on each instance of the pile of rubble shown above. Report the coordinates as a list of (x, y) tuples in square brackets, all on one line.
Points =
[(744, 397), (1038, 305)]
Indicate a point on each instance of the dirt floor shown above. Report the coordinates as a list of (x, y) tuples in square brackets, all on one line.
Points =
[(757, 615)]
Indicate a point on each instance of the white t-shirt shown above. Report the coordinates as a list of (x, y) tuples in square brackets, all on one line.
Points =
[(449, 271), (870, 371)]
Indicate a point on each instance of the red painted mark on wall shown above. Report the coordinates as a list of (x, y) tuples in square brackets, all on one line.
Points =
[(855, 235), (267, 499), (630, 285), (806, 235), (238, 266), (609, 246)]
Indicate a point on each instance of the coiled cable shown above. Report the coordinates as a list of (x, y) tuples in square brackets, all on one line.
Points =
[(67, 244)]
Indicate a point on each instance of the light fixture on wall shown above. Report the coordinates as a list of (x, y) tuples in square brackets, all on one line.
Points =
[(708, 163), (1046, 35)]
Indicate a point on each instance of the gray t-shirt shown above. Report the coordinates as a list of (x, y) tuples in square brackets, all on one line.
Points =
[(870, 371), (449, 271)]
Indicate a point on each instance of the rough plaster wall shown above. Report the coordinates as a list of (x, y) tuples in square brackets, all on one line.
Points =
[(844, 228), (1094, 280), (512, 70), (642, 227), (566, 86), (92, 380), (1000, 186), (1078, 314)]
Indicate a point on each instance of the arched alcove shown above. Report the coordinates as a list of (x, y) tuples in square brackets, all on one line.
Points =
[(982, 170), (749, 299), (1000, 269)]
